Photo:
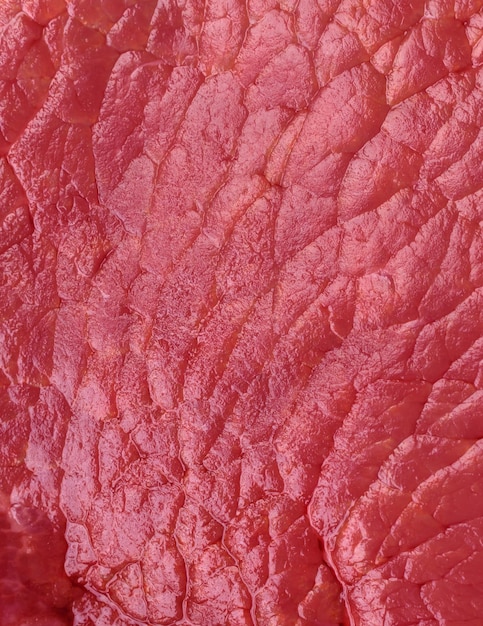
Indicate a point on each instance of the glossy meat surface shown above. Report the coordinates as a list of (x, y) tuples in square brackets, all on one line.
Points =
[(241, 269)]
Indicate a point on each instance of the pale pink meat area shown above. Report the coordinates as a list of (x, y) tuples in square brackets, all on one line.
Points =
[(241, 270)]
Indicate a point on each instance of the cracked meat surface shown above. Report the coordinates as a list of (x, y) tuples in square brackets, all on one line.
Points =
[(241, 269)]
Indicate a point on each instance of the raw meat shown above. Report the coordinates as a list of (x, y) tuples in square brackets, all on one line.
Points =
[(241, 312)]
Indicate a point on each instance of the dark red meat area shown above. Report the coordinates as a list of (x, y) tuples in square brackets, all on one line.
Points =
[(241, 269)]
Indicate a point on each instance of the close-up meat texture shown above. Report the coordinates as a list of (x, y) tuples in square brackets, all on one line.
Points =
[(241, 269)]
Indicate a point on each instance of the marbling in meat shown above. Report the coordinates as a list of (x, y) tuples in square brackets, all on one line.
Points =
[(241, 269)]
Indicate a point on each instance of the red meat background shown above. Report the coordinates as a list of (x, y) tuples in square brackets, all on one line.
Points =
[(241, 312)]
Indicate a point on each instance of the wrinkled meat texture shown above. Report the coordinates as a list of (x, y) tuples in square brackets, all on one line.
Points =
[(241, 312)]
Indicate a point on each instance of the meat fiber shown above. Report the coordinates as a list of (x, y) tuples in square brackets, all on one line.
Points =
[(241, 313)]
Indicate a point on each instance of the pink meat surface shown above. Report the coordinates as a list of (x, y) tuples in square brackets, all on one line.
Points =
[(241, 312)]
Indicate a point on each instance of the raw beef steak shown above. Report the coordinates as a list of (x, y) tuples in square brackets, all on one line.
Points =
[(241, 312)]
